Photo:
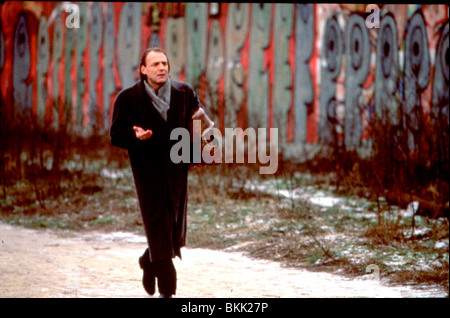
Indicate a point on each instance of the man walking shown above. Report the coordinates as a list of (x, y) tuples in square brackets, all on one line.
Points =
[(143, 117)]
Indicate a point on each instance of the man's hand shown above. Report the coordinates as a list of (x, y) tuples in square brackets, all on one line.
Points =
[(142, 134)]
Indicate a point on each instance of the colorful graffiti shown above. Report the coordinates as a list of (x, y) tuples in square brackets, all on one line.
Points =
[(317, 72), (330, 69)]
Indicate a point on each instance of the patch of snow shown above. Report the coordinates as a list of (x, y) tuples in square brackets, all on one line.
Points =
[(441, 244), (325, 201), (412, 208), (120, 236), (112, 174)]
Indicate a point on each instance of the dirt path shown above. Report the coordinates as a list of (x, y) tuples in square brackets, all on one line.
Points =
[(66, 264)]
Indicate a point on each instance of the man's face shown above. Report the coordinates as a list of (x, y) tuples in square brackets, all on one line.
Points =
[(156, 69)]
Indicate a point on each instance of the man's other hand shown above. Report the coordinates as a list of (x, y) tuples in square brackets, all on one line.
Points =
[(142, 134)]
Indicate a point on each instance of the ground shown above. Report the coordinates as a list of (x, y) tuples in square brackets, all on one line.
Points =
[(49, 263), (78, 233)]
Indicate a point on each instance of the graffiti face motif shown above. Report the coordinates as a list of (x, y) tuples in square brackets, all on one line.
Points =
[(81, 43), (236, 33), (57, 51), (332, 47), (21, 70), (440, 106), (129, 42), (175, 44), (387, 74), (304, 89), (258, 94), (356, 71), (43, 56), (417, 76), (214, 70), (108, 83), (284, 21), (196, 20), (330, 68)]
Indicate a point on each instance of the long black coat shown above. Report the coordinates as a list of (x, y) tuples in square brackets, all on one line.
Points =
[(161, 185)]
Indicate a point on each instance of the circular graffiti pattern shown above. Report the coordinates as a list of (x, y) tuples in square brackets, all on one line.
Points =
[(358, 44), (332, 46), (357, 61), (43, 49), (21, 70), (386, 78), (444, 54), (21, 50), (417, 63), (416, 50), (440, 108), (387, 46), (355, 47)]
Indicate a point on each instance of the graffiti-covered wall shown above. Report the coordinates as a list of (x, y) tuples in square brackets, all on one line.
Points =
[(320, 73)]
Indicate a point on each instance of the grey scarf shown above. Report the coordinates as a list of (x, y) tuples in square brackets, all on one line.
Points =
[(161, 100)]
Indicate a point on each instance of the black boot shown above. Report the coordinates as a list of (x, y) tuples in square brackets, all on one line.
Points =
[(148, 279), (167, 278)]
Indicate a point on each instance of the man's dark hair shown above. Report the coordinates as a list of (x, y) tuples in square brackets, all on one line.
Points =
[(144, 57)]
